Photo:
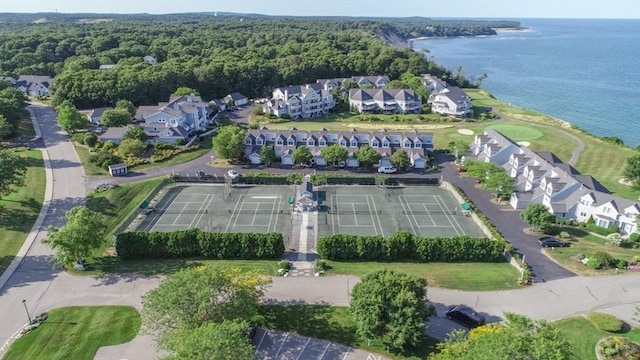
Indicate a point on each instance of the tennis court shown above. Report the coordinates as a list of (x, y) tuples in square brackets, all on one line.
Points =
[(258, 209), (373, 210)]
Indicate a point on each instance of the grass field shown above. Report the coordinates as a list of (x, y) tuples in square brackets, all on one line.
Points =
[(587, 244), (77, 333), (19, 210), (333, 323), (583, 336), (456, 276), (114, 265)]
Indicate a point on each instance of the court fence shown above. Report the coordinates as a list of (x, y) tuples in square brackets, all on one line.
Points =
[(122, 227)]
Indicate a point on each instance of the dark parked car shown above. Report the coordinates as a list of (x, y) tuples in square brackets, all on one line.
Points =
[(465, 316), (550, 241)]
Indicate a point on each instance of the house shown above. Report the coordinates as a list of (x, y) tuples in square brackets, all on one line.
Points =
[(150, 59), (300, 101), (94, 115), (385, 100), (451, 101), (416, 144), (377, 81), (219, 103), (9, 79), (305, 200), (177, 120), (237, 99), (541, 177), (118, 169), (114, 134), (106, 67), (433, 83), (34, 85)]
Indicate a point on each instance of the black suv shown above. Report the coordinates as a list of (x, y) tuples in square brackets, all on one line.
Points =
[(465, 316)]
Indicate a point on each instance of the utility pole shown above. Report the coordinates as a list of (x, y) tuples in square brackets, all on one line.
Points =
[(24, 302)]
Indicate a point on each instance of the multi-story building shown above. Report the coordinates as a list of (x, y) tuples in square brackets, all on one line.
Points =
[(385, 101), (34, 85), (416, 144), (543, 178), (446, 99), (177, 119), (300, 101), (376, 81)]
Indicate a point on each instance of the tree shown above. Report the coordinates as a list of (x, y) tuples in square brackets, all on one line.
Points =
[(80, 237), (334, 154), (116, 117), (500, 183), (69, 118), (458, 148), (349, 84), (6, 129), (126, 105), (12, 171), (193, 297), (537, 215), (518, 338), (183, 90), (267, 155), (135, 132), (229, 142), (302, 155), (391, 306), (632, 170), (400, 159), (90, 139), (130, 148), (367, 156), (224, 341)]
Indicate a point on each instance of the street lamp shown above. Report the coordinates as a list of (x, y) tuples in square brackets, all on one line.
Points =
[(24, 302)]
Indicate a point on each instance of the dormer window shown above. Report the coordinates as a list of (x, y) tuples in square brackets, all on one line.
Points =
[(291, 142), (374, 143), (162, 120), (354, 143), (322, 142), (311, 142), (549, 190), (417, 145), (385, 144), (343, 142), (407, 144), (259, 141), (248, 141), (279, 142)]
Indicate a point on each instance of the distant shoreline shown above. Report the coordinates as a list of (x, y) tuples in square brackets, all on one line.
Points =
[(497, 30)]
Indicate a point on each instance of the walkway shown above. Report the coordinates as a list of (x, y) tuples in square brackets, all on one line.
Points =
[(304, 236)]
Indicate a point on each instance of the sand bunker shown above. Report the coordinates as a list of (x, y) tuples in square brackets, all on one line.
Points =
[(524, 143), (465, 131)]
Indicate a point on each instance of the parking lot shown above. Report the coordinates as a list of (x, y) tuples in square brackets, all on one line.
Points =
[(279, 345)]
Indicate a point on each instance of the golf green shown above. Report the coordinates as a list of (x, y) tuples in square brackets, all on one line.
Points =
[(517, 132)]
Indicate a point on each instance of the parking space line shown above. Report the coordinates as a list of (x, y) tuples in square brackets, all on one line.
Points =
[(325, 350), (347, 353), (280, 348), (261, 340), (305, 346)]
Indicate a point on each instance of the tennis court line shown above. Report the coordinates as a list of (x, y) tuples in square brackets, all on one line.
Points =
[(449, 217), (373, 220), (333, 224), (428, 214), (234, 213), (201, 209), (377, 216), (156, 216), (402, 201)]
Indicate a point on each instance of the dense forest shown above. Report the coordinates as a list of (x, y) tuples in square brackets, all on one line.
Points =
[(215, 55)]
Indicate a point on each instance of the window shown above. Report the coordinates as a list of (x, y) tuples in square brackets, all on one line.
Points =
[(385, 144), (279, 142), (549, 190), (374, 143), (417, 145), (407, 144), (583, 214), (161, 120), (606, 210), (354, 143), (343, 142), (248, 141), (259, 141), (322, 143), (291, 142), (396, 141), (311, 142)]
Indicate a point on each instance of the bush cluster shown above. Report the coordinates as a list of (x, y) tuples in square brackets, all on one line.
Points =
[(196, 243), (602, 230), (406, 246)]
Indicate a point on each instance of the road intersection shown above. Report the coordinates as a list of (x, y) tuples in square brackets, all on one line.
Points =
[(44, 286)]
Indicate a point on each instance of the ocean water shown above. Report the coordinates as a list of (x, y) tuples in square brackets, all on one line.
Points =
[(584, 71)]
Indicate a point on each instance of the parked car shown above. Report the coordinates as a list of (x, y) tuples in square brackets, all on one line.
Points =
[(550, 241), (387, 169), (465, 316), (232, 174)]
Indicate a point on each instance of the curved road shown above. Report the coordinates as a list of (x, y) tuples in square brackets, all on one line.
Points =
[(43, 286)]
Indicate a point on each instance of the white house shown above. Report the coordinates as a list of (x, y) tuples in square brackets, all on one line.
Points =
[(541, 177), (451, 101), (300, 101), (34, 85), (150, 59), (376, 81), (95, 115), (237, 99), (416, 144), (433, 83), (175, 120), (385, 100)]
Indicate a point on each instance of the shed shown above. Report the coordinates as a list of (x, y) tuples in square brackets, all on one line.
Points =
[(118, 169), (305, 201)]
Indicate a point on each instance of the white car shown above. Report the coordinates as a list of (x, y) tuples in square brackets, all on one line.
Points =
[(232, 174), (387, 169)]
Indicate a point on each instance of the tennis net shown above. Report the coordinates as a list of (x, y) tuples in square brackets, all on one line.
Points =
[(357, 212), (254, 211), (429, 212), (178, 211)]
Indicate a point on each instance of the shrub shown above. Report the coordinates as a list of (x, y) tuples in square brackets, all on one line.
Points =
[(600, 230), (284, 264), (90, 139), (601, 260), (618, 348), (605, 322), (621, 264)]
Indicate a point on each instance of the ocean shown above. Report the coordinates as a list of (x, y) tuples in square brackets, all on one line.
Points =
[(584, 71)]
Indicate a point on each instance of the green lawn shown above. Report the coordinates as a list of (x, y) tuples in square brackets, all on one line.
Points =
[(518, 132), (587, 244), (583, 336), (112, 264), (77, 333), (333, 323), (457, 276), (19, 210)]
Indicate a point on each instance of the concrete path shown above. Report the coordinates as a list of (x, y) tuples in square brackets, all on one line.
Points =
[(575, 154)]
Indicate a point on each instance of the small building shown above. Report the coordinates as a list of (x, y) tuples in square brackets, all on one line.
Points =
[(118, 169), (114, 134), (305, 200), (150, 59), (237, 99), (95, 115)]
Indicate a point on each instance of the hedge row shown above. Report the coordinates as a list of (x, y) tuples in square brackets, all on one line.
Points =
[(196, 243), (406, 246)]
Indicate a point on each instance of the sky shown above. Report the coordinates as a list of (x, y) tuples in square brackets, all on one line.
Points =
[(387, 8)]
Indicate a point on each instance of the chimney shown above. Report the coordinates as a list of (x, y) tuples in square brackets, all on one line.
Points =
[(286, 94)]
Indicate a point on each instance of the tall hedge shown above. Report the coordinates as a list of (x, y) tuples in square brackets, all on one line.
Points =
[(406, 246), (196, 243)]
